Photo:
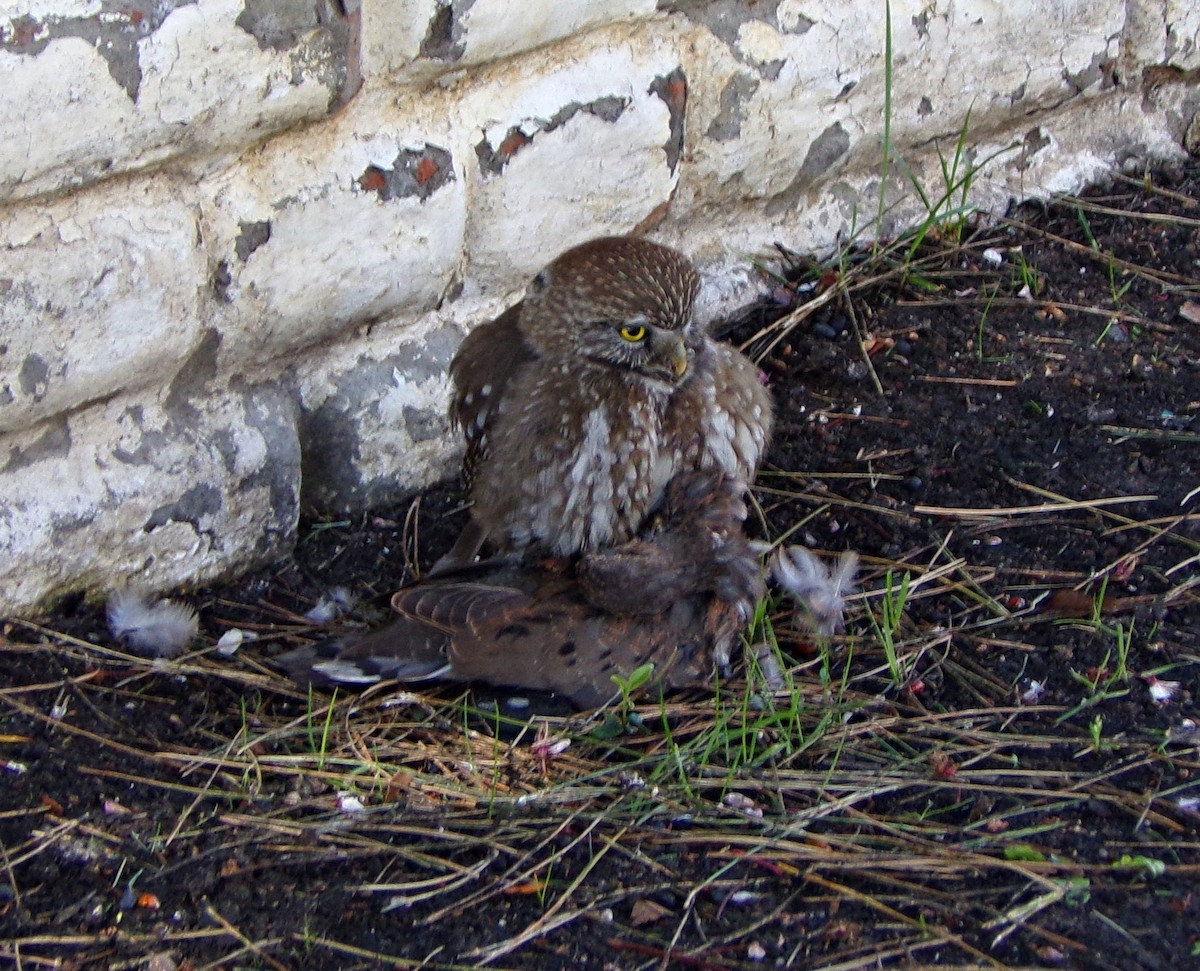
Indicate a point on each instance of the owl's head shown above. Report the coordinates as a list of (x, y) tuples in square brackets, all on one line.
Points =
[(620, 302)]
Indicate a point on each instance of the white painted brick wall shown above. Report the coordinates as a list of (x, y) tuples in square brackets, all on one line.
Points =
[(152, 490), (586, 131), (306, 249), (103, 298), (96, 87), (241, 239)]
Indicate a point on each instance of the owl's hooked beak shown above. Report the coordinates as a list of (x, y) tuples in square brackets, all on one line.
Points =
[(679, 358), (668, 359)]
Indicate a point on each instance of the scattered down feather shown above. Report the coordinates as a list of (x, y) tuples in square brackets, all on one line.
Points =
[(152, 629), (338, 602), (821, 591)]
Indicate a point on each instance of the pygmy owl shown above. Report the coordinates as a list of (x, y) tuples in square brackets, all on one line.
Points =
[(584, 400)]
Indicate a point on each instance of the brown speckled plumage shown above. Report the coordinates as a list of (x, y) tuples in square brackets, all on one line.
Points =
[(676, 597), (583, 401)]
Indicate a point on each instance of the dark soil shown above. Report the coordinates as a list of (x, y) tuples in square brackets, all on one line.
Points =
[(1012, 796)]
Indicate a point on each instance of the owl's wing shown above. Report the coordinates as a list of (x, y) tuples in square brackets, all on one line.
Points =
[(486, 360), (481, 370), (722, 416)]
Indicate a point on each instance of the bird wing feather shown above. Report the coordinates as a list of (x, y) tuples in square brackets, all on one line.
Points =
[(453, 607)]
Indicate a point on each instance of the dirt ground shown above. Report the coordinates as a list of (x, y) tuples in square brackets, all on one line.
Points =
[(997, 770)]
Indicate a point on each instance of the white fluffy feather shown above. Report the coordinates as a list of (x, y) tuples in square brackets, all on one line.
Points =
[(820, 591), (332, 605), (162, 629)]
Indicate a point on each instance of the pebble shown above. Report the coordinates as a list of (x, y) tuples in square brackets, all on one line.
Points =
[(1118, 334)]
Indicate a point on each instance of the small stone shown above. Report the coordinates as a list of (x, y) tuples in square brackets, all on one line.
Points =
[(1118, 333)]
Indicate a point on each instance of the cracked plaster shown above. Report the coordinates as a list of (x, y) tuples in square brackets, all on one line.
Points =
[(95, 90)]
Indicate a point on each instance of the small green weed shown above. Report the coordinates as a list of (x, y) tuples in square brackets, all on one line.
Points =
[(886, 625)]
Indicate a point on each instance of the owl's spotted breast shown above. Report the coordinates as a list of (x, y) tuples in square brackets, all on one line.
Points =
[(724, 414), (592, 474)]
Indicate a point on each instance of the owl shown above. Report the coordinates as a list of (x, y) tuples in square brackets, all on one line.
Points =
[(583, 401), (675, 597)]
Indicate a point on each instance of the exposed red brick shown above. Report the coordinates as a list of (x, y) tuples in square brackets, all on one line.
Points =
[(427, 168), (373, 180)]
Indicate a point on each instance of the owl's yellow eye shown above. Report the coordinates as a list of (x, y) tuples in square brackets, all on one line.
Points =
[(633, 334)]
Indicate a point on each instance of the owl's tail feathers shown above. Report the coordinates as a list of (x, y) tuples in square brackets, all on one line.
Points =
[(404, 650)]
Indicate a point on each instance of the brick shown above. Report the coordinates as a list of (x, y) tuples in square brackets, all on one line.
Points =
[(787, 101), (419, 39), (99, 294), (326, 230), (492, 29), (154, 492), (120, 84), (374, 425), (574, 145), (392, 34)]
